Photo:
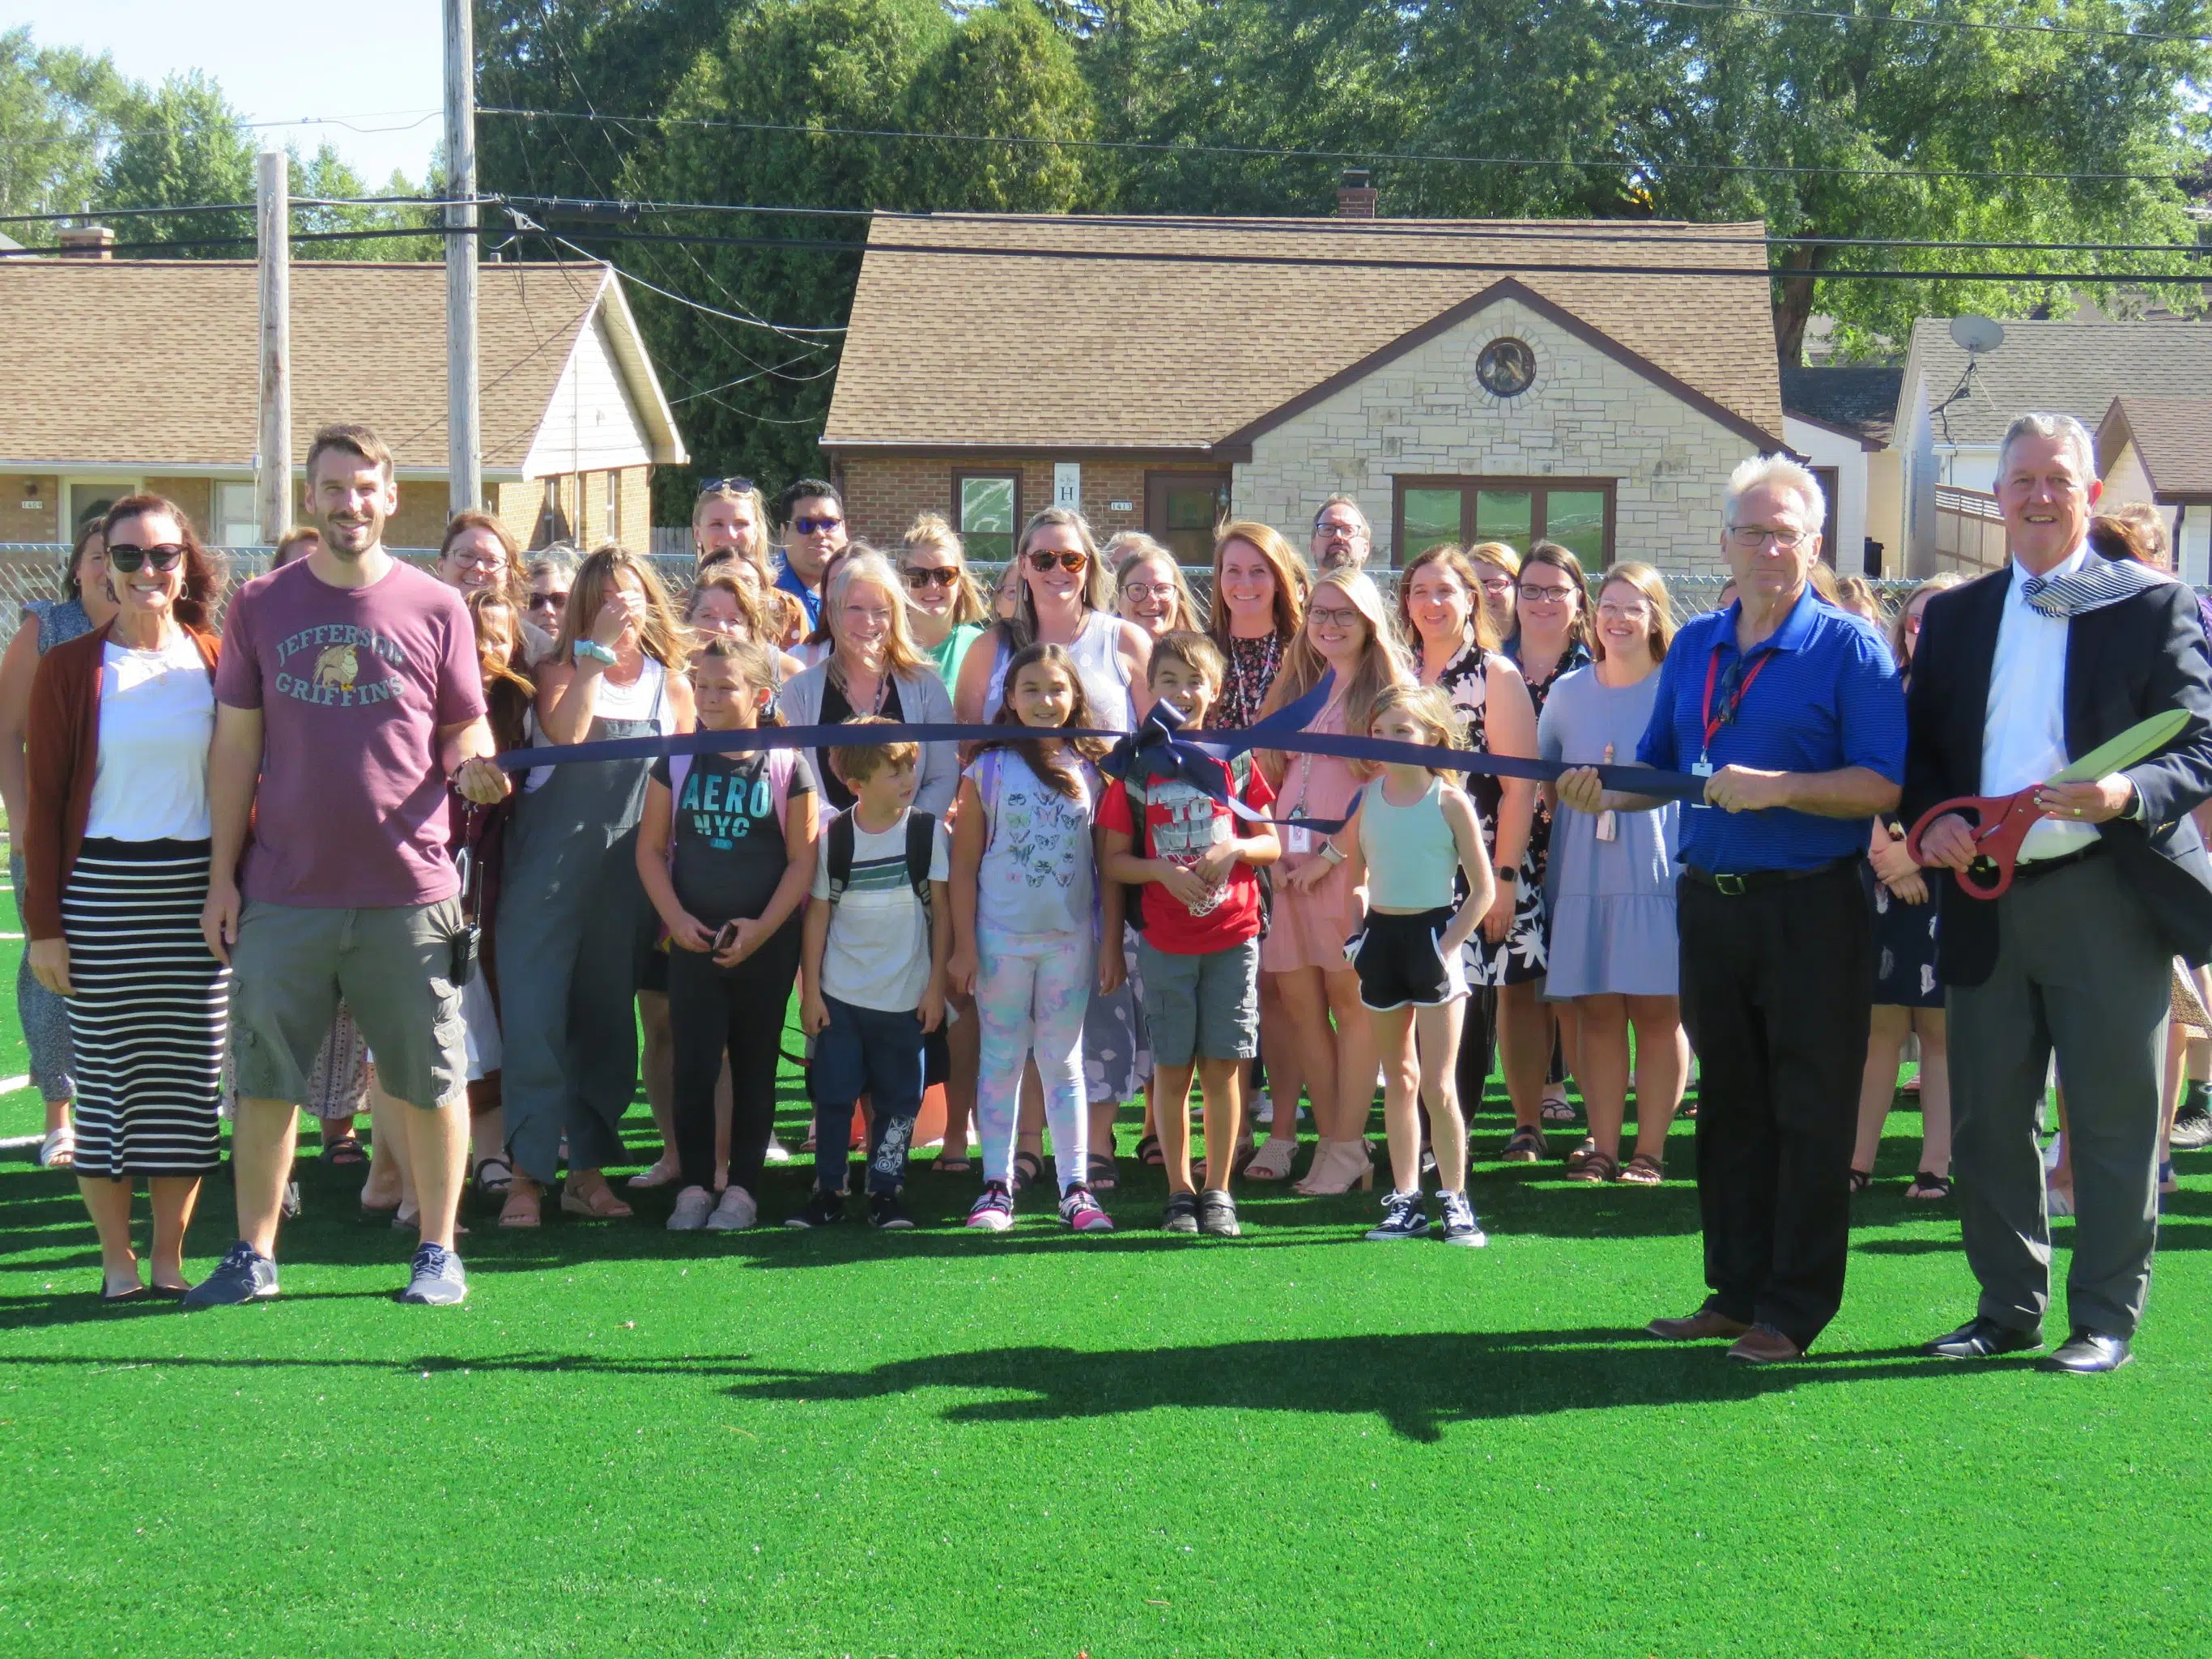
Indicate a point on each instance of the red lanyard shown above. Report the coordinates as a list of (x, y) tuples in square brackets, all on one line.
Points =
[(1728, 708)]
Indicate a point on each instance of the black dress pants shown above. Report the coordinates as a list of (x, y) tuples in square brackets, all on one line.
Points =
[(1777, 990)]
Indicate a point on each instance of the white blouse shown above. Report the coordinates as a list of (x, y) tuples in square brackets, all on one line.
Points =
[(156, 719)]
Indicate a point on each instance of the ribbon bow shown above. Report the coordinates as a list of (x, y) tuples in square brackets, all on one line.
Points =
[(1158, 750)]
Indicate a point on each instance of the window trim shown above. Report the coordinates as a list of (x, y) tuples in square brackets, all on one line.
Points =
[(996, 474), (1537, 485)]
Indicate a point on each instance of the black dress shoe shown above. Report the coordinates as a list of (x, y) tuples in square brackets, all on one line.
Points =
[(2089, 1352), (1982, 1339)]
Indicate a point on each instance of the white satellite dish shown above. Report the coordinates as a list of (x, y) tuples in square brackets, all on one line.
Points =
[(1976, 334)]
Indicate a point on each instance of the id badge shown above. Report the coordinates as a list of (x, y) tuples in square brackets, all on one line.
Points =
[(1703, 768), (1608, 826), (1296, 838)]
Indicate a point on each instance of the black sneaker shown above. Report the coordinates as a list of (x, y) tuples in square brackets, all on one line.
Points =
[(244, 1275), (1216, 1214), (1403, 1217), (886, 1214), (1460, 1224), (1180, 1215), (824, 1208)]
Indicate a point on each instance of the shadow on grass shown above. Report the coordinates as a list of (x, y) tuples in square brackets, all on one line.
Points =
[(1418, 1383)]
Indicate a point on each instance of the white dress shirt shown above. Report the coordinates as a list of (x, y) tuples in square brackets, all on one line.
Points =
[(2024, 727)]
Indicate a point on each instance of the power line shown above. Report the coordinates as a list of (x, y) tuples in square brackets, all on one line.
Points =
[(1646, 169), (349, 123), (785, 329), (1891, 21), (298, 202)]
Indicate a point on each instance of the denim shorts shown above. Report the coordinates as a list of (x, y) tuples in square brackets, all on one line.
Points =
[(1201, 1007)]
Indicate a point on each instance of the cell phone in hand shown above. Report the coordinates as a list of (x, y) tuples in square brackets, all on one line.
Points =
[(725, 936)]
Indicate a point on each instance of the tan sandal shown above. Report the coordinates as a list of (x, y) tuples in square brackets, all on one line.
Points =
[(525, 1206), (600, 1204), (1597, 1168), (1643, 1171)]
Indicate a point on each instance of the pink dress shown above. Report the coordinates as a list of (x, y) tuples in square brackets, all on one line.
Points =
[(1308, 930)]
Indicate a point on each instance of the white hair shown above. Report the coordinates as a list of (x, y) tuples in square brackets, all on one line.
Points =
[(2064, 427), (1777, 472)]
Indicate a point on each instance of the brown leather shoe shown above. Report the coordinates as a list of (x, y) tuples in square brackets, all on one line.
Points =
[(1762, 1344), (1706, 1325)]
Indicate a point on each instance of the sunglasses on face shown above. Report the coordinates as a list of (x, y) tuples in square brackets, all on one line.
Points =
[(1070, 562), (946, 577), (121, 555), (815, 526), (548, 601), (708, 486)]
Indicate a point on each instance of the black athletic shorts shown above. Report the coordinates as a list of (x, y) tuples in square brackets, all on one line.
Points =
[(1399, 963)]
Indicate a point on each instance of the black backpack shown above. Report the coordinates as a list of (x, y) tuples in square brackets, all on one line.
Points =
[(1133, 899), (921, 844)]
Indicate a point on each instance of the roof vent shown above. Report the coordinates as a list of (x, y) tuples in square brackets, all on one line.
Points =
[(1356, 197), (88, 242)]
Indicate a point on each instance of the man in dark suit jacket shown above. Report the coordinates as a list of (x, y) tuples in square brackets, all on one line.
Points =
[(2016, 673)]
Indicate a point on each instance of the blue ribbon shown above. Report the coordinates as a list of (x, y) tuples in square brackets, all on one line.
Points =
[(1157, 746)]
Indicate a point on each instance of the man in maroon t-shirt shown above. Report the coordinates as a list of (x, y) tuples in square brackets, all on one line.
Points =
[(349, 708)]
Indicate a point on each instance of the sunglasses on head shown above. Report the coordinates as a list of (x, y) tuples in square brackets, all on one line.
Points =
[(121, 555), (1070, 562), (943, 577), (739, 486), (815, 526)]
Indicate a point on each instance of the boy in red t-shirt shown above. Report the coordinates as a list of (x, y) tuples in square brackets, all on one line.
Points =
[(1199, 955)]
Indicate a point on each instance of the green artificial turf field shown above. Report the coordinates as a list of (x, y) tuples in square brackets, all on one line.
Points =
[(946, 1444)]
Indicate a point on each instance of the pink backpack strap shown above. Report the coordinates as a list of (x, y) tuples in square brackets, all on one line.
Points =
[(781, 764)]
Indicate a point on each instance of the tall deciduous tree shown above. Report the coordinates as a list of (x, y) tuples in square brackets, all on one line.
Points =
[(55, 105), (177, 144)]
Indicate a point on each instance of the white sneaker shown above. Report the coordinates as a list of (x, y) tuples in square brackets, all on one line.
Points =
[(777, 1152), (693, 1205), (737, 1210)]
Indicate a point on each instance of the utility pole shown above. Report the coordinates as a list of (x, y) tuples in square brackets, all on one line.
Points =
[(272, 233), (464, 444)]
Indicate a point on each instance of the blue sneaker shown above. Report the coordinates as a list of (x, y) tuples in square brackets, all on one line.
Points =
[(244, 1275), (438, 1281), (1403, 1217), (1460, 1226)]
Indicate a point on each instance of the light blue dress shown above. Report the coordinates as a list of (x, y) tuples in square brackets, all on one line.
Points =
[(1611, 903)]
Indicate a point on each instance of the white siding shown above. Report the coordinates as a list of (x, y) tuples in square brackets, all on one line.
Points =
[(590, 425), (1822, 447)]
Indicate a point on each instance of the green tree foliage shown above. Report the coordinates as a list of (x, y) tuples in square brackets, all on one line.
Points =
[(54, 105), (176, 144), (325, 175)]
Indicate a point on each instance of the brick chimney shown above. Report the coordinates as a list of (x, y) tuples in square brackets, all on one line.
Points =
[(88, 242), (1355, 196)]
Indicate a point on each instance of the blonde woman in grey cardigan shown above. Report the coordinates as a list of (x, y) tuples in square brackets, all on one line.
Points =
[(873, 668)]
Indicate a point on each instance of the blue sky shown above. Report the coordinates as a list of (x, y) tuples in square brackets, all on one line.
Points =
[(376, 66)]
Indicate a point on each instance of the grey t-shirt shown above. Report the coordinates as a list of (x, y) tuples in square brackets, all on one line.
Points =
[(729, 846)]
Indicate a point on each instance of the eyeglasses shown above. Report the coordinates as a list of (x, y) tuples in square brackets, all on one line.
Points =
[(547, 601), (1753, 537), (946, 576), (1344, 619), (1497, 583), (121, 555), (1070, 562), (1351, 533), (735, 486), (815, 526), (1537, 594), (1145, 593), (1623, 612)]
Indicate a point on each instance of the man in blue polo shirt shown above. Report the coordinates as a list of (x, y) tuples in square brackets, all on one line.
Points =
[(1791, 710), (812, 516)]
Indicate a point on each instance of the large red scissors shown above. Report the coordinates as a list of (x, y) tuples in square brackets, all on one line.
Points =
[(2002, 822)]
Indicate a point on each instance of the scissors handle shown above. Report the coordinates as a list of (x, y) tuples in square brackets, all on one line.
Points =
[(2000, 824)]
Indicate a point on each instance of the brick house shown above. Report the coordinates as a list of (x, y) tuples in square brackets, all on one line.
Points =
[(145, 374), (1449, 375)]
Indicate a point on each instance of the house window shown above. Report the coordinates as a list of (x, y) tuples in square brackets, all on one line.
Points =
[(614, 504), (1830, 479), (237, 518), (1182, 510), (987, 508), (1575, 513)]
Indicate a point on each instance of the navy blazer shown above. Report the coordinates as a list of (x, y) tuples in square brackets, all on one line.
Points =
[(2123, 663)]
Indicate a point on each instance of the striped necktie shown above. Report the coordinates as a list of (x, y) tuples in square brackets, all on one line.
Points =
[(2098, 583)]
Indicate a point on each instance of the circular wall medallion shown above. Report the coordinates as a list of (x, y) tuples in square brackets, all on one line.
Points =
[(1507, 367)]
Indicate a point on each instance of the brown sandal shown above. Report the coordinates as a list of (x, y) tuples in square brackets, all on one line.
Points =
[(598, 1204), (1643, 1171), (525, 1206), (1581, 1155), (1524, 1146), (1597, 1168)]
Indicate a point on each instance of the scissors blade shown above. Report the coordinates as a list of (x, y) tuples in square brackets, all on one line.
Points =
[(2138, 742)]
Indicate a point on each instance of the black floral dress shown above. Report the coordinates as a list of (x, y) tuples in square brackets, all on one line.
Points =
[(1252, 666), (1520, 955)]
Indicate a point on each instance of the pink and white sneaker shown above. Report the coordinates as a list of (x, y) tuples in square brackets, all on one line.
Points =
[(994, 1212), (1080, 1211)]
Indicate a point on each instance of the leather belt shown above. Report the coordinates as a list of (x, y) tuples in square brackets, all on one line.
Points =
[(1736, 884), (2027, 870)]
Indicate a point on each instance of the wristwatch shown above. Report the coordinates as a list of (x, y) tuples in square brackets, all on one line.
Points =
[(597, 651), (1508, 872), (1332, 851)]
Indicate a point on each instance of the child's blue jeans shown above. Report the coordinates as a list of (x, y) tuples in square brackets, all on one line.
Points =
[(866, 1051)]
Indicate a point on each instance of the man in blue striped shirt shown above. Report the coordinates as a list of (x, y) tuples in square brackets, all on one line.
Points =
[(1791, 710)]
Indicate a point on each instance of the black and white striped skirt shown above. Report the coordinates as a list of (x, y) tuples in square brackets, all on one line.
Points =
[(147, 1019)]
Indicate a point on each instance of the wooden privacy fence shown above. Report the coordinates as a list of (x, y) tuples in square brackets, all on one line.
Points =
[(1970, 535)]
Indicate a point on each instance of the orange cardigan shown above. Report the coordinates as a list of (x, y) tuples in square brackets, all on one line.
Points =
[(62, 755)]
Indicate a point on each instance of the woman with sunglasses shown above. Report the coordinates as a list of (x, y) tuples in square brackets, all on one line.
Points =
[(1553, 637), (547, 580), (83, 607), (943, 605), (1065, 597), (117, 842)]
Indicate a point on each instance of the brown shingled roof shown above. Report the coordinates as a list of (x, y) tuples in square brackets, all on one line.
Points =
[(2172, 435), (154, 363), (1168, 346)]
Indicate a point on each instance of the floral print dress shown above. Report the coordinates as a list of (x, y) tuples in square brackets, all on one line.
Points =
[(1519, 956)]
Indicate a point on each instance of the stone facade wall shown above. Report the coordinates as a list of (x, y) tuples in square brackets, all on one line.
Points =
[(1586, 415)]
